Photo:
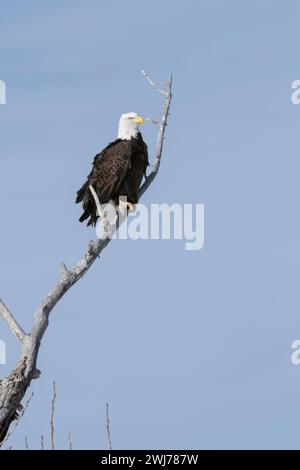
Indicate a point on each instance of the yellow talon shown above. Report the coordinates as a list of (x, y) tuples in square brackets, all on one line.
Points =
[(125, 207), (130, 207)]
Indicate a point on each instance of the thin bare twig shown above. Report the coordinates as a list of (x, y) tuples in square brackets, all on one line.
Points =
[(42, 442), (153, 121), (108, 428), (154, 84), (70, 441), (52, 416), (63, 271), (26, 443), (12, 323)]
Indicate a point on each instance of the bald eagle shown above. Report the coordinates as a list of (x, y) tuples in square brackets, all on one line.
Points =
[(117, 171)]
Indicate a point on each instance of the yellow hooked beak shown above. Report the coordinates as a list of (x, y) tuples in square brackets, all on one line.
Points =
[(138, 120)]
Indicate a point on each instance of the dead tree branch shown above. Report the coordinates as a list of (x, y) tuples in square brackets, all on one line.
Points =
[(21, 411), (12, 323), (107, 425), (14, 387)]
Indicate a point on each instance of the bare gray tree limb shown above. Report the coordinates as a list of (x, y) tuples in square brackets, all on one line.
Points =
[(21, 411), (14, 387), (12, 323), (160, 137)]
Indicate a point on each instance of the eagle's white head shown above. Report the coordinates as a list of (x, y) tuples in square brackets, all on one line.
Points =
[(129, 125)]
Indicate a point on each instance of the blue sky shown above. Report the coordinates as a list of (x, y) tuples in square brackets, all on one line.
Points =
[(191, 349)]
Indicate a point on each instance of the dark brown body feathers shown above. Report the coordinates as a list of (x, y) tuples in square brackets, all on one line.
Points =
[(117, 171)]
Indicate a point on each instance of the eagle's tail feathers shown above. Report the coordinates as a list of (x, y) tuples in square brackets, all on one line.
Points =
[(82, 192)]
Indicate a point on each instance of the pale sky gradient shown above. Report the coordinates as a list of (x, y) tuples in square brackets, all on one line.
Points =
[(191, 349)]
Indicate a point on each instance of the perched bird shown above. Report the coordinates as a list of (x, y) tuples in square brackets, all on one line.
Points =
[(117, 171)]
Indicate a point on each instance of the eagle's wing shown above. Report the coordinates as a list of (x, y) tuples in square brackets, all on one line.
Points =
[(109, 169)]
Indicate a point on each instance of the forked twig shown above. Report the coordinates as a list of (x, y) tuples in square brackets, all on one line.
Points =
[(156, 87)]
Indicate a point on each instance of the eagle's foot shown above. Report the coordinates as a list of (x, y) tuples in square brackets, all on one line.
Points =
[(125, 207), (130, 207)]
